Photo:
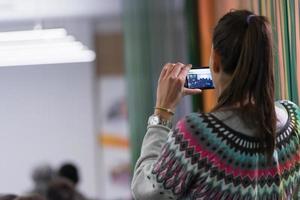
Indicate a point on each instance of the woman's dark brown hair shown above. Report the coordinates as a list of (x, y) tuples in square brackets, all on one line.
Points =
[(243, 41)]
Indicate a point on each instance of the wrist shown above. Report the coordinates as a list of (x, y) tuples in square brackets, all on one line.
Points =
[(163, 114)]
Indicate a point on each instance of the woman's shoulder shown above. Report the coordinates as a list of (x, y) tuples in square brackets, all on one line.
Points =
[(193, 120), (287, 104), (195, 125), (198, 122), (290, 107)]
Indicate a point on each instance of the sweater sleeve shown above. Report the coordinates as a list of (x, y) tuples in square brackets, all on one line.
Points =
[(163, 171)]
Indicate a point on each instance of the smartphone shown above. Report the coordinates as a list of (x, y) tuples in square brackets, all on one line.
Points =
[(199, 78)]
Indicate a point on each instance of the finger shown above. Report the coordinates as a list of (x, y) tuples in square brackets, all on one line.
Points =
[(165, 70), (184, 71), (163, 73), (188, 91), (170, 69), (177, 69)]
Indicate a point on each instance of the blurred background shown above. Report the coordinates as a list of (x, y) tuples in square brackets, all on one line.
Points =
[(78, 82)]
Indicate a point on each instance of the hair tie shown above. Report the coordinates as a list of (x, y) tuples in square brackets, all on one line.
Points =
[(249, 17)]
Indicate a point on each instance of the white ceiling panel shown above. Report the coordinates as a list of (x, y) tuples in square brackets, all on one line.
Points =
[(11, 10)]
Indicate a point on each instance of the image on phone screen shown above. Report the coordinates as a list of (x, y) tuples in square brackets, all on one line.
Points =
[(199, 78)]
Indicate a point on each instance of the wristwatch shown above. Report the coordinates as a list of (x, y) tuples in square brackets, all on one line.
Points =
[(157, 120)]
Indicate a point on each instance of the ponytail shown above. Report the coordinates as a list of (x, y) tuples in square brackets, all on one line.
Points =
[(244, 43)]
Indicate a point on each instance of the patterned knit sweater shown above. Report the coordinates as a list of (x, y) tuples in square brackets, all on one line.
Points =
[(204, 158)]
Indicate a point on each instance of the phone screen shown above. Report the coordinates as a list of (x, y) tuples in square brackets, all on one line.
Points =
[(199, 78)]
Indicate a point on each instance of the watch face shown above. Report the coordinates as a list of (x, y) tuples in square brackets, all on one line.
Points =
[(154, 120)]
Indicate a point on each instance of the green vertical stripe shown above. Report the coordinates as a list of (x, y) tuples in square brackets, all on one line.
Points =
[(138, 71), (289, 51), (292, 51), (286, 49), (273, 22), (191, 8), (153, 35)]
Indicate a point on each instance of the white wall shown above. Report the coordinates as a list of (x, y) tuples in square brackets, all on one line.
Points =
[(112, 158), (46, 115)]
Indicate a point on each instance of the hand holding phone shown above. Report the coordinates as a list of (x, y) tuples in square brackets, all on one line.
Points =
[(171, 88), (199, 78)]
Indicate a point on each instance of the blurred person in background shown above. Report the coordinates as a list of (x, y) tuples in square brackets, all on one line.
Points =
[(41, 177), (31, 197), (8, 197), (247, 147), (70, 172), (14, 197), (61, 189)]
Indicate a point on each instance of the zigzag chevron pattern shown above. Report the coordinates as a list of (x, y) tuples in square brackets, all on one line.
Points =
[(205, 159)]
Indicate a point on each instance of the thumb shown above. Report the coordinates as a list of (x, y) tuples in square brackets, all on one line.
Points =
[(188, 91)]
